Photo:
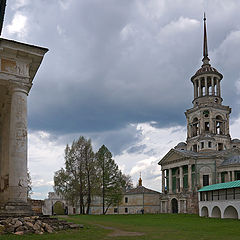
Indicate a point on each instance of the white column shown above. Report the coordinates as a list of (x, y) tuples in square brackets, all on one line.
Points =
[(18, 147), (181, 178), (212, 81), (218, 87), (229, 176), (163, 181), (189, 177), (170, 180), (195, 89), (206, 86), (200, 87)]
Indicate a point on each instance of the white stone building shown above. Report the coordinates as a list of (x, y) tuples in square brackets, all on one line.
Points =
[(135, 201), (209, 155)]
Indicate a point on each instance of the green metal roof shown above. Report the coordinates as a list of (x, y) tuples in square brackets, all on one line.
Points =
[(219, 186)]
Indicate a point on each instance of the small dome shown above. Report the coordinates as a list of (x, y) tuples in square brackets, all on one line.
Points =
[(236, 140), (181, 145), (207, 69)]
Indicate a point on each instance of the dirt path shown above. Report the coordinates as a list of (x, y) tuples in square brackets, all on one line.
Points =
[(120, 233)]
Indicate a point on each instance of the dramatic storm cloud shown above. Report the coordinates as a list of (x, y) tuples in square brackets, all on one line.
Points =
[(116, 68)]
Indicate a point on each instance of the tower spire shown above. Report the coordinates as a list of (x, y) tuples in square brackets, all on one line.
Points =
[(205, 48), (140, 181)]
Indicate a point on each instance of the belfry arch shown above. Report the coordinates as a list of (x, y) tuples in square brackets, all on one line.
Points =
[(219, 126), (195, 127)]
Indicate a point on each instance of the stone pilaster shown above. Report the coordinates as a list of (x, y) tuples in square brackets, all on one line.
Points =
[(219, 177)]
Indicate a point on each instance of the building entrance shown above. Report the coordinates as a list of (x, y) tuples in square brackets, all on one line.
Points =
[(174, 205)]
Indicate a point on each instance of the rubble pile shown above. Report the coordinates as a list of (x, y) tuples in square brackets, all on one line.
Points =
[(34, 224)]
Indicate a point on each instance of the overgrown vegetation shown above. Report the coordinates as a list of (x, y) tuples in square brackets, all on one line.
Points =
[(87, 174)]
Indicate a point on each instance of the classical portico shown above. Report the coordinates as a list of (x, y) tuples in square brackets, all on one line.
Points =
[(18, 65)]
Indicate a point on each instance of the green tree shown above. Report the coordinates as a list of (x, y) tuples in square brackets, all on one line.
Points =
[(76, 182), (111, 179)]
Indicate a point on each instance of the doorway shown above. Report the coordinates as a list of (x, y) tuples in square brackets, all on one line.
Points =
[(174, 205)]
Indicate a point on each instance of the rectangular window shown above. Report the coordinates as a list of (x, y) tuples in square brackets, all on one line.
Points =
[(220, 146), (237, 175), (126, 210), (201, 196), (205, 180), (185, 181), (209, 144), (126, 200), (185, 169), (202, 145), (174, 184), (195, 148), (115, 210)]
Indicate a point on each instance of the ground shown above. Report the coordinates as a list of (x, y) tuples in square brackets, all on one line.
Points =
[(147, 227)]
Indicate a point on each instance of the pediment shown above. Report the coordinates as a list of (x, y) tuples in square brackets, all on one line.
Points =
[(173, 156)]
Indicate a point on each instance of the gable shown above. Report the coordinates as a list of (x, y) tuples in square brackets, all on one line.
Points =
[(172, 156)]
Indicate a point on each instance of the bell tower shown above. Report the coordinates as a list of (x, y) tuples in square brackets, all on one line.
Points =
[(208, 119)]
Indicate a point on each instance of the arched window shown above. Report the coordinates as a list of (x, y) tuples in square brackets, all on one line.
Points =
[(195, 127)]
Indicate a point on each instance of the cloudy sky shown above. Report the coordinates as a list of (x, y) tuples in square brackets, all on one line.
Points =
[(118, 72)]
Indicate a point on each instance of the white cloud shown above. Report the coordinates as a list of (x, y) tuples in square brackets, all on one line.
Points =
[(237, 84), (151, 9), (18, 25), (19, 3), (45, 156), (65, 4), (235, 128), (152, 145), (181, 25)]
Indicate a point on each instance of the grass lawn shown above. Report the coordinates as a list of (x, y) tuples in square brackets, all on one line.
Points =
[(159, 226)]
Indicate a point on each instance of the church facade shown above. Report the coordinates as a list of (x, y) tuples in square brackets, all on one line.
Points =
[(209, 155)]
